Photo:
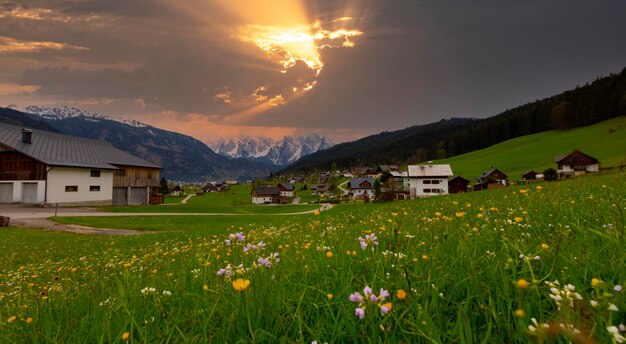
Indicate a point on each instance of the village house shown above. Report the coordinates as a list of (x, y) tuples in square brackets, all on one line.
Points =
[(176, 191), (395, 185), (491, 179), (267, 195), (386, 168), (41, 167), (457, 184), (361, 188), (286, 189), (575, 164), (320, 189), (429, 179), (529, 175), (365, 172)]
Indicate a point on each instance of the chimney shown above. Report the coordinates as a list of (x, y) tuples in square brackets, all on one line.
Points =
[(27, 136)]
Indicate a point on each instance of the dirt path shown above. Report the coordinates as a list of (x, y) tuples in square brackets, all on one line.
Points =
[(32, 217)]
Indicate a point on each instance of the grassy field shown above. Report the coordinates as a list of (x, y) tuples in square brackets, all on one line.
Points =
[(236, 200), (605, 141), (541, 263)]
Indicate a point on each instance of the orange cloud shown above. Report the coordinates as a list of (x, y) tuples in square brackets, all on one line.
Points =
[(12, 45)]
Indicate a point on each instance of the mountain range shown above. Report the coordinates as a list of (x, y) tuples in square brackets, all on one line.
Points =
[(277, 152), (182, 157)]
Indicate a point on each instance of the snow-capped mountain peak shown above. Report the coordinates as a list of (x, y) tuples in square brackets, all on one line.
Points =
[(278, 152), (64, 112)]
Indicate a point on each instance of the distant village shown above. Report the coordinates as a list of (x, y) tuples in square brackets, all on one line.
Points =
[(40, 167)]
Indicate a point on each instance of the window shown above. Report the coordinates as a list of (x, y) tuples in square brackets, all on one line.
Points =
[(427, 190), (95, 173), (94, 188), (436, 190), (426, 181), (71, 188), (436, 181)]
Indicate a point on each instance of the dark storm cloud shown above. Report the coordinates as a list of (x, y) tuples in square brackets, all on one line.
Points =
[(417, 61)]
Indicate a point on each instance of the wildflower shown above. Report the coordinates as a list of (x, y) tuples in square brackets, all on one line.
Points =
[(167, 293), (613, 308), (475, 230), (356, 297), (424, 257), (545, 246), (594, 303), (617, 288), (522, 283), (523, 191), (386, 308), (520, 313), (518, 219), (616, 335), (74, 269), (394, 214), (148, 290), (401, 294), (370, 240), (11, 319), (539, 187), (595, 282), (205, 287), (329, 296), (459, 214), (240, 284), (316, 213), (359, 312), (125, 336), (348, 252), (29, 320), (329, 254), (437, 214)]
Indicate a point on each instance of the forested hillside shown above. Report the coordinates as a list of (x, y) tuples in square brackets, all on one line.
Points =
[(600, 100)]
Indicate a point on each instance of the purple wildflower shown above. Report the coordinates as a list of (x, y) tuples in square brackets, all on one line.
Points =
[(360, 312)]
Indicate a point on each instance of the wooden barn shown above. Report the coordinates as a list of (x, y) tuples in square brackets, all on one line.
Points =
[(491, 179), (576, 163), (457, 184)]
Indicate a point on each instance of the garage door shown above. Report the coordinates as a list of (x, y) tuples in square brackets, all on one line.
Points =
[(6, 192), (29, 193), (138, 196), (119, 196)]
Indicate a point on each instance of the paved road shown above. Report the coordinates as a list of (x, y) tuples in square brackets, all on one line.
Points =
[(37, 217)]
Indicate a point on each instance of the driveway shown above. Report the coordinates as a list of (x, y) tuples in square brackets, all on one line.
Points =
[(37, 217)]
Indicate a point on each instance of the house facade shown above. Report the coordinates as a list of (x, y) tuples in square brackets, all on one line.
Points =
[(428, 180), (575, 164), (40, 167), (457, 184), (267, 195), (286, 189), (361, 188), (491, 179)]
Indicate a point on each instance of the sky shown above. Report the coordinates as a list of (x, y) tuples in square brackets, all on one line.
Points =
[(216, 69)]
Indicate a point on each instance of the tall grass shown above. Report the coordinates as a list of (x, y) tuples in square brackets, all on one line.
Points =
[(477, 267)]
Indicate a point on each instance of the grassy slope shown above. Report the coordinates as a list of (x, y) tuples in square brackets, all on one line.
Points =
[(536, 152), (236, 200)]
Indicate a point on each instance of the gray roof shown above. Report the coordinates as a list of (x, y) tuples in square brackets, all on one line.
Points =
[(430, 170), (287, 186), (266, 191), (355, 183), (63, 150)]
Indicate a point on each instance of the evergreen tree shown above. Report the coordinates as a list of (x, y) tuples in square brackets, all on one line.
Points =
[(163, 189)]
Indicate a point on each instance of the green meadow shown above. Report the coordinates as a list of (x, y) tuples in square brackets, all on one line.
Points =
[(540, 263), (605, 141), (236, 200)]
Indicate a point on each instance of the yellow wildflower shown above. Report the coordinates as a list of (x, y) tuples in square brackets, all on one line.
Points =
[(329, 296), (595, 282), (523, 191), (539, 187), (317, 212), (401, 294), (522, 283), (520, 313), (11, 319), (29, 320), (240, 284), (205, 287), (125, 336), (518, 219), (459, 214), (329, 254), (545, 246)]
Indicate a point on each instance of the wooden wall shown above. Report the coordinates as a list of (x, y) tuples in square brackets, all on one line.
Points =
[(17, 166), (136, 176)]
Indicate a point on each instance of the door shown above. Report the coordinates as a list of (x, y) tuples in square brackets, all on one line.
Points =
[(120, 196), (6, 192), (29, 193)]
